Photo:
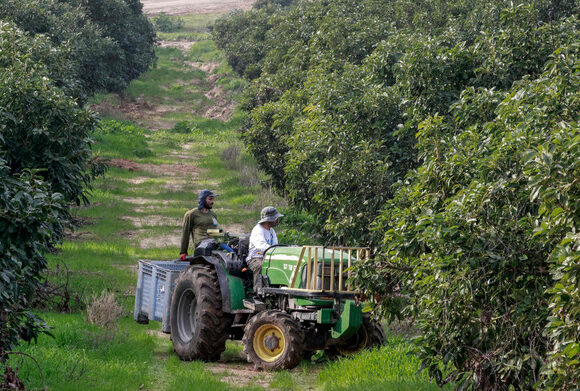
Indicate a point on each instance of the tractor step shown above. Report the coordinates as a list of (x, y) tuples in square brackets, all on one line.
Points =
[(244, 311), (255, 305)]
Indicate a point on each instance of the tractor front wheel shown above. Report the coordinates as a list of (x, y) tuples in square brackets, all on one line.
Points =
[(199, 327), (273, 340)]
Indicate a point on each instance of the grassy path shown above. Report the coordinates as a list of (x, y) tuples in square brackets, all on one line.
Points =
[(172, 134)]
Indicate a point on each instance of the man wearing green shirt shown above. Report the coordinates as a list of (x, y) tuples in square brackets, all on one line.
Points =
[(196, 222)]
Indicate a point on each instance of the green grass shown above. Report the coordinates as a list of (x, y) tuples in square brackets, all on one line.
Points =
[(83, 356), (204, 51), (171, 81), (194, 28), (121, 140), (390, 368)]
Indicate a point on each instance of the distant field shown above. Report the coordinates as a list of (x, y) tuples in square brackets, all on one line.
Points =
[(180, 7)]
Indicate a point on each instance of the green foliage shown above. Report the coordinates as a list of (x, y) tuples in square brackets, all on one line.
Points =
[(421, 121), (40, 127), (45, 164), (166, 23), (123, 22), (489, 213), (31, 220), (259, 4), (56, 57), (241, 36), (552, 165), (103, 44)]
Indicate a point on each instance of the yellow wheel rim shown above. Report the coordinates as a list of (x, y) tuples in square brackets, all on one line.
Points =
[(269, 342)]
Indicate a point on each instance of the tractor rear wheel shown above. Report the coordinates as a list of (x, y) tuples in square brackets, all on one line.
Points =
[(199, 327), (370, 335), (273, 340)]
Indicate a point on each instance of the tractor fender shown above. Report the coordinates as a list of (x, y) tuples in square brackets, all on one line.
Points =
[(222, 278)]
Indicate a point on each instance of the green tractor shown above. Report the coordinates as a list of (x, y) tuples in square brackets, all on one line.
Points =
[(307, 304)]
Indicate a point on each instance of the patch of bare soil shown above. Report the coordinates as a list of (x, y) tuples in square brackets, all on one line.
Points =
[(138, 180), (145, 209), (212, 79), (222, 106), (184, 46), (145, 201), (207, 67), (240, 374), (79, 235), (177, 186), (147, 114), (124, 164), (180, 7), (177, 169), (170, 240), (132, 268), (236, 229), (152, 221), (142, 113), (183, 154), (158, 334)]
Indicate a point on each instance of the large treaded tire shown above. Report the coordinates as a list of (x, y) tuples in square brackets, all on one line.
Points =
[(199, 327), (377, 336), (289, 346), (370, 335)]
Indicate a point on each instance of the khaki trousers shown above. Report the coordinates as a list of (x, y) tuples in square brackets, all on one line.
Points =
[(255, 265)]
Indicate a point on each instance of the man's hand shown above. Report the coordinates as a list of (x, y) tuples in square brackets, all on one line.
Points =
[(182, 256)]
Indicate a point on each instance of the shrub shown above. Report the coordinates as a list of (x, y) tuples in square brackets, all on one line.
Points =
[(103, 310)]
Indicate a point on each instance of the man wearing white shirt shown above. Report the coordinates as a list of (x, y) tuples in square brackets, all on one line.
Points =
[(263, 236)]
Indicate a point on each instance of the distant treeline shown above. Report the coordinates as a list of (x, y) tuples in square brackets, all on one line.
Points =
[(444, 134), (54, 55)]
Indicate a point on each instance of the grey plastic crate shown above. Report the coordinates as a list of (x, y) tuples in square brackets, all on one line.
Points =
[(154, 287)]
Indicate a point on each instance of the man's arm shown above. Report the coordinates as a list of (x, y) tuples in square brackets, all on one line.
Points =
[(185, 234)]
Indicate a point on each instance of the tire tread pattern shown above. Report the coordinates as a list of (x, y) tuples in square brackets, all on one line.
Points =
[(209, 339)]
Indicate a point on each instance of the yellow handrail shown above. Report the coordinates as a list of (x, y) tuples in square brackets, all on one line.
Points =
[(310, 255)]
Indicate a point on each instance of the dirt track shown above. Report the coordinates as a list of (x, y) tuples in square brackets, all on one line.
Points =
[(180, 7)]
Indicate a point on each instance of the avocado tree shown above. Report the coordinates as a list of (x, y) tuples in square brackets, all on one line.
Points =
[(106, 44), (45, 164), (443, 134)]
